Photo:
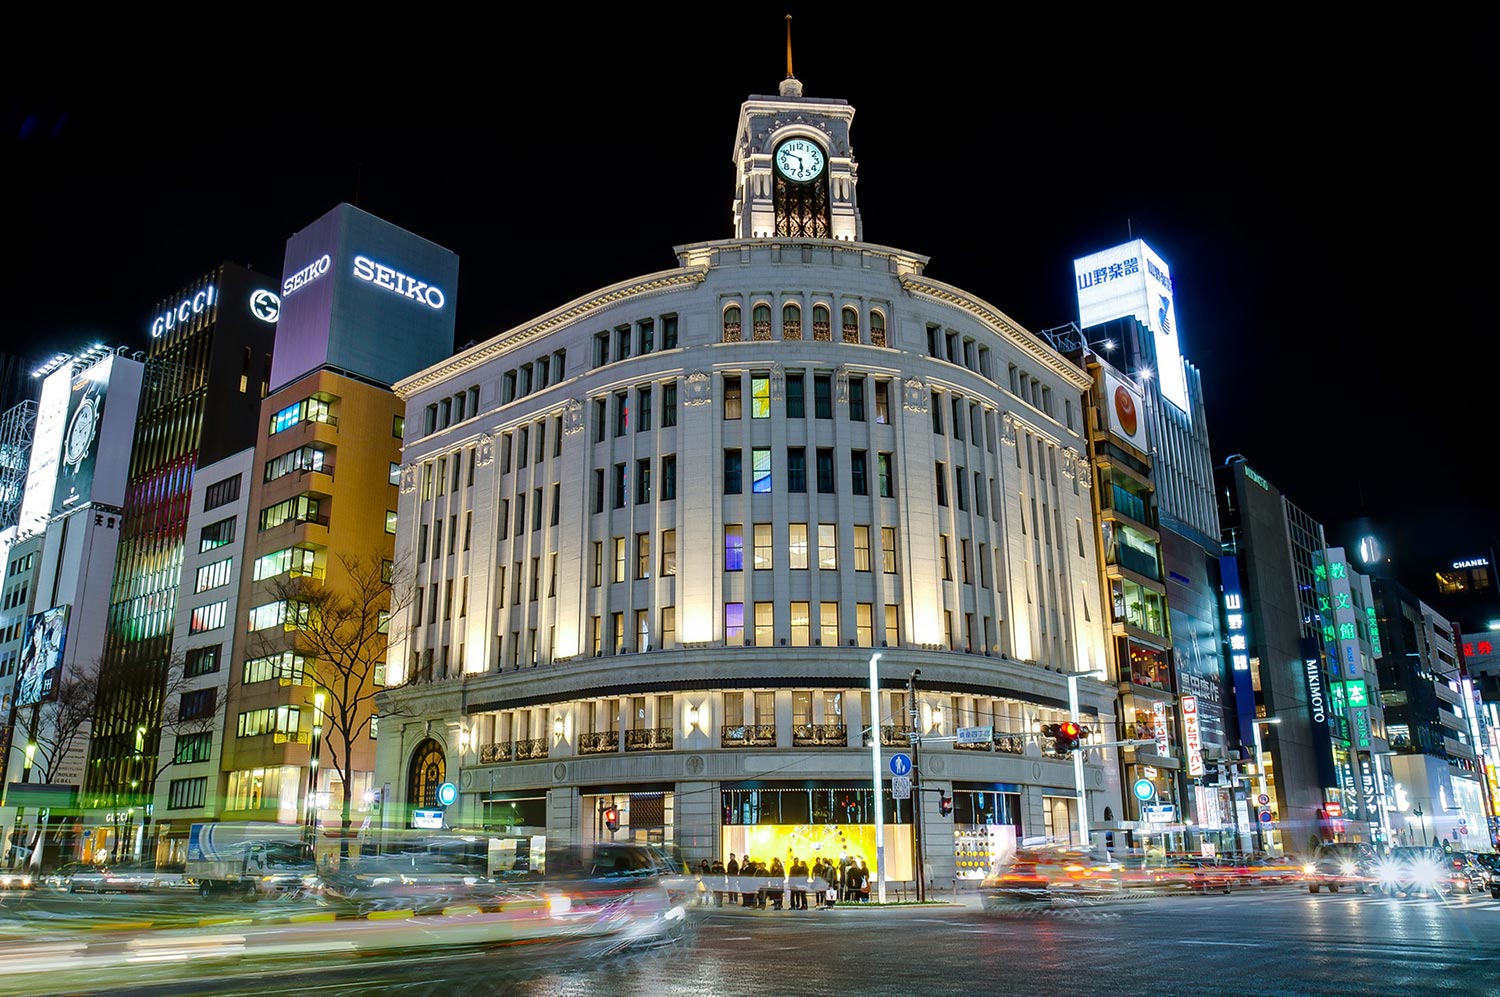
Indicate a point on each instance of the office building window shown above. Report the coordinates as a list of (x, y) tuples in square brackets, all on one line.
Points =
[(828, 624), (620, 492), (619, 559), (643, 555), (668, 553), (765, 624), (825, 470), (760, 470), (885, 471), (731, 396), (733, 476), (861, 548), (828, 546), (823, 396), (940, 477), (643, 409), (734, 547), (794, 397), (763, 553), (796, 470), (669, 405), (734, 623), (864, 624), (643, 480), (859, 479), (797, 545), (856, 399), (888, 549), (760, 396), (669, 477), (883, 402), (801, 636)]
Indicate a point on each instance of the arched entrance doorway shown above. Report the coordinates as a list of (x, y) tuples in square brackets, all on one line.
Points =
[(428, 770)]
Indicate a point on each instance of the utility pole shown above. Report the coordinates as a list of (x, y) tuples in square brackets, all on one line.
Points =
[(877, 778), (916, 780)]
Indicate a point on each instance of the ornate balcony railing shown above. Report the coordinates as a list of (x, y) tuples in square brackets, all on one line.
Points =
[(820, 735), (791, 330), (490, 754), (851, 333), (822, 332), (761, 330), (534, 748), (1010, 744), (650, 739), (731, 332), (749, 735), (598, 742), (292, 737), (877, 337), (892, 736)]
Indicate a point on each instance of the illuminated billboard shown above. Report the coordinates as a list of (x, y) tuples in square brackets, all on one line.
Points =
[(363, 295), (80, 442), (41, 656), (1132, 280), (1122, 400)]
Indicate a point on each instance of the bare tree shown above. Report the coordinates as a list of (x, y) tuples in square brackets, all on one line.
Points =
[(339, 624), (59, 726)]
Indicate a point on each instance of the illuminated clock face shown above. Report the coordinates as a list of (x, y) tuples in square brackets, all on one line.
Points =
[(80, 434), (799, 160)]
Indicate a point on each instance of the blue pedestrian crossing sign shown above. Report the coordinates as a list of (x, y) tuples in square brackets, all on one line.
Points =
[(1145, 789), (900, 764)]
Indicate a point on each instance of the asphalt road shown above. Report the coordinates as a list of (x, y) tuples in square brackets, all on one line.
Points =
[(1278, 942)]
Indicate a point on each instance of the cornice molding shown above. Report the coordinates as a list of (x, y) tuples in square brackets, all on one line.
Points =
[(997, 320), (660, 282)]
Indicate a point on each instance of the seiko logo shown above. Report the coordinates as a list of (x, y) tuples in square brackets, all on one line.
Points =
[(398, 282), (306, 275), (1315, 689), (185, 310)]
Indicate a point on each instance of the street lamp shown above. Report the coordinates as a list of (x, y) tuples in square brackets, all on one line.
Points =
[(1260, 774), (1083, 810), (312, 768), (875, 775)]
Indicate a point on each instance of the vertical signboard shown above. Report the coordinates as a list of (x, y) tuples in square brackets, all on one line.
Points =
[(1192, 739), (1125, 408), (1319, 710), (41, 656), (1159, 729), (1133, 280), (1237, 634), (80, 442), (46, 449)]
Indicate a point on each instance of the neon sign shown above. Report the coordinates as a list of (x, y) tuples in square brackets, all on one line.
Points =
[(196, 304), (1473, 562), (306, 275), (1313, 671), (397, 282)]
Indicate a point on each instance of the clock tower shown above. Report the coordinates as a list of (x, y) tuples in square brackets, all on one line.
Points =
[(794, 170)]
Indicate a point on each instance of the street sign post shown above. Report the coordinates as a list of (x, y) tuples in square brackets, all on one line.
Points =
[(975, 735), (1159, 813), (900, 764), (901, 787), (1263, 799), (1265, 817)]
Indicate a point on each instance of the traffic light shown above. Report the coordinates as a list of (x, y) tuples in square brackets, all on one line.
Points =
[(1050, 730), (1067, 736), (945, 805), (612, 819)]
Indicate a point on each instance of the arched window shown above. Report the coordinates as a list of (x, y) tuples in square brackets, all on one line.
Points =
[(791, 322), (822, 331), (851, 325), (428, 771), (732, 324), (761, 329), (877, 329)]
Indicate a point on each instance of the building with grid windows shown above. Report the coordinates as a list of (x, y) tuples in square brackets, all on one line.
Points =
[(693, 505)]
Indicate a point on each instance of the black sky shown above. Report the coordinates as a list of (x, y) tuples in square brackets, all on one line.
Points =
[(1324, 201)]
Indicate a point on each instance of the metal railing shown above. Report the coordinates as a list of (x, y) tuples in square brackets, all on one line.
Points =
[(892, 736), (649, 739), (820, 735), (489, 754), (598, 742), (534, 748), (748, 735)]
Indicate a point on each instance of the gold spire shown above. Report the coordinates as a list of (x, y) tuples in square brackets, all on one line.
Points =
[(789, 47)]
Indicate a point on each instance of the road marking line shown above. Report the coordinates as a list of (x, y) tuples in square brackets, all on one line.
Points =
[(1204, 941), (304, 918), (122, 926), (390, 915)]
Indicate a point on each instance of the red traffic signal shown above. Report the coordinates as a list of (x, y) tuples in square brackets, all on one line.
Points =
[(612, 819), (1068, 735), (945, 805)]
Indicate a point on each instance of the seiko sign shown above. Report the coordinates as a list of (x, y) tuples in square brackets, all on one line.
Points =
[(306, 275), (397, 282), (185, 310), (1315, 699)]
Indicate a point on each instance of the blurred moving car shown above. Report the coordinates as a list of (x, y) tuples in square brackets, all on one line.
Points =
[(16, 879), (1417, 870), (1466, 872), (1340, 864), (122, 877)]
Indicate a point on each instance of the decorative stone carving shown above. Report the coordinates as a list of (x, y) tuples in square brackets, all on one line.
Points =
[(408, 479), (1008, 430), (841, 379), (915, 397), (698, 389), (572, 417), (485, 455), (559, 772), (694, 765), (466, 779), (778, 382)]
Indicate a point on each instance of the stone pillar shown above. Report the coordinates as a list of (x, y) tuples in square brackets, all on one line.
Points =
[(696, 816)]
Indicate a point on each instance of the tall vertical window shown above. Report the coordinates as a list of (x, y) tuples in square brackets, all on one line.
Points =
[(795, 405), (797, 545), (801, 637), (643, 480), (883, 402), (825, 470), (669, 626), (884, 466), (796, 470), (760, 396), (857, 399), (669, 405), (643, 409), (622, 413), (864, 628), (733, 473), (669, 332), (861, 548), (619, 559), (760, 470), (668, 553), (734, 623), (763, 552), (600, 409), (734, 547), (823, 396), (935, 406), (958, 417), (945, 558), (791, 322), (669, 477), (642, 555), (617, 627), (888, 549), (732, 388), (598, 562), (892, 625), (828, 624), (596, 495), (828, 546), (963, 558), (940, 476), (620, 490), (765, 624), (859, 478), (645, 332), (961, 489)]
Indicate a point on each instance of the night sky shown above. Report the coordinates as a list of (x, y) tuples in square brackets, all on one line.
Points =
[(1314, 197)]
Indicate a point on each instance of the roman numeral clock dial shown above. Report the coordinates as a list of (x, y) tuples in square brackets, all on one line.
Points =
[(799, 160)]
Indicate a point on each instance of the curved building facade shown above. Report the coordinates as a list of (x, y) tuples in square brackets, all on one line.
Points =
[(647, 543)]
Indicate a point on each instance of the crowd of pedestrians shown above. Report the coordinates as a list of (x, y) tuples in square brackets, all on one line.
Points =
[(784, 886)]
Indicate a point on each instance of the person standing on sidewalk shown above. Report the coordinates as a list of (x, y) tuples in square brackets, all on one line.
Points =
[(798, 874), (720, 882)]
